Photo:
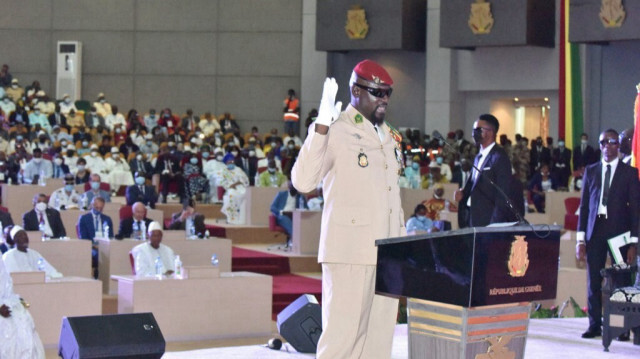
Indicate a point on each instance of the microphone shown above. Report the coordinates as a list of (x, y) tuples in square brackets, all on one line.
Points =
[(274, 344), (513, 210)]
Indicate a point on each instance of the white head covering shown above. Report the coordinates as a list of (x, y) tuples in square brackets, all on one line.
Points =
[(154, 226), (15, 230)]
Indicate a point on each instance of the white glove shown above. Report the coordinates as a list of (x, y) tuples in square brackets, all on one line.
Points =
[(329, 110)]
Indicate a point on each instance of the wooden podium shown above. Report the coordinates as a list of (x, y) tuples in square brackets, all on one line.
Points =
[(469, 290)]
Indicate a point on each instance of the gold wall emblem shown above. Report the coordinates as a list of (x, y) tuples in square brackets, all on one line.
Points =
[(481, 19), (519, 257), (612, 13), (357, 26), (498, 349)]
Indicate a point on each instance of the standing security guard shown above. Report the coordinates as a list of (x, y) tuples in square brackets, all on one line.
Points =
[(359, 161)]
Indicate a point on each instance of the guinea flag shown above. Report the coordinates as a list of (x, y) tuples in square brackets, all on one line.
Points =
[(635, 144), (570, 88)]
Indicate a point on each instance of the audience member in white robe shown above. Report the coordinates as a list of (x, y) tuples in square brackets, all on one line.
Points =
[(235, 182), (212, 169), (65, 197), (119, 172), (146, 254), (23, 259), (95, 162), (17, 329), (66, 105)]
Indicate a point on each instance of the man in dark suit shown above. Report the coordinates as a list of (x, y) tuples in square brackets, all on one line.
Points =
[(461, 172), (609, 207), (41, 214), (94, 222), (139, 164), (561, 161), (479, 203), (169, 169), (538, 155), (139, 192), (583, 153), (57, 118), (284, 203), (132, 225), (179, 220)]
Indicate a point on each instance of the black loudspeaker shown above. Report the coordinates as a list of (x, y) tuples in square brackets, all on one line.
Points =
[(300, 323), (111, 336)]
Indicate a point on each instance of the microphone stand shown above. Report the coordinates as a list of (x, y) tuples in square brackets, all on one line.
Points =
[(521, 220)]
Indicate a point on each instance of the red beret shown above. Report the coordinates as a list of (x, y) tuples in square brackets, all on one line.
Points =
[(373, 72)]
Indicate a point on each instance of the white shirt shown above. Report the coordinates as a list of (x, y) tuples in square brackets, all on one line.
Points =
[(17, 261), (291, 203), (602, 209), (145, 259), (47, 227), (111, 120), (485, 153), (60, 198)]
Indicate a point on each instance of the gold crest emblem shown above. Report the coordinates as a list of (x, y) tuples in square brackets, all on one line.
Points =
[(498, 348), (357, 26), (363, 161), (612, 13), (481, 19), (519, 257)]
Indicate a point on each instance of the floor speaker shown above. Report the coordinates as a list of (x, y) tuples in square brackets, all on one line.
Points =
[(111, 336), (300, 323)]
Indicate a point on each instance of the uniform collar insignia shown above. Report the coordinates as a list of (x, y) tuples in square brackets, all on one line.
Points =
[(358, 118)]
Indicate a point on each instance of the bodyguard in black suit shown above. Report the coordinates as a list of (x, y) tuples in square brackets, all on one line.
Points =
[(609, 207), (538, 155), (479, 203)]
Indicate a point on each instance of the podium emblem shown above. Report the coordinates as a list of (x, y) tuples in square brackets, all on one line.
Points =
[(481, 19), (612, 13), (357, 26), (519, 257), (498, 349)]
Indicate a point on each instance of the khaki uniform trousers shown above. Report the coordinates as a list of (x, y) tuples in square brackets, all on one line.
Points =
[(356, 323)]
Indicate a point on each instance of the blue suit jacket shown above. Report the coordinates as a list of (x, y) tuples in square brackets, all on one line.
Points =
[(86, 229), (149, 198), (622, 206), (281, 200)]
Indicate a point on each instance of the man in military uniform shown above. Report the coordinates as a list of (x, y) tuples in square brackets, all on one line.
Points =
[(520, 159), (359, 160)]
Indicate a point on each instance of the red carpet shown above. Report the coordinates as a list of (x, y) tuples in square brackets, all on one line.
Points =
[(287, 287)]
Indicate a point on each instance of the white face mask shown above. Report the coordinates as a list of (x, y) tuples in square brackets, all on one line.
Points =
[(94, 153), (139, 157), (41, 206)]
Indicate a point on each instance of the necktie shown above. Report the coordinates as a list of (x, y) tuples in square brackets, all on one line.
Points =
[(475, 172), (605, 191), (142, 190), (41, 218), (140, 169), (96, 223)]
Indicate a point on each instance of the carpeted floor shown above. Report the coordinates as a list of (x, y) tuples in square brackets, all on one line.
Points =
[(547, 339)]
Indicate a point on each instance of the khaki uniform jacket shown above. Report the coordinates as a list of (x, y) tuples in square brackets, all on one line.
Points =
[(362, 197)]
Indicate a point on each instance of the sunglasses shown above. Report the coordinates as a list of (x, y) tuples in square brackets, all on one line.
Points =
[(610, 141), (377, 92)]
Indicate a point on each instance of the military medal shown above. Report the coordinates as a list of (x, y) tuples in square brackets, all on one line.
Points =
[(363, 161)]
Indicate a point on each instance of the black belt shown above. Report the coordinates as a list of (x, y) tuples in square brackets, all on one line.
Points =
[(601, 216)]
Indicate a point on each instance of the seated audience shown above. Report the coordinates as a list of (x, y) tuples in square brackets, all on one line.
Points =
[(540, 183), (74, 119), (44, 219), (419, 222), (92, 119), (272, 177), (286, 202), (82, 173), (92, 225), (412, 173), (434, 176), (22, 259), (140, 165), (60, 169), (65, 197), (37, 168), (169, 169), (188, 218), (438, 203), (119, 173), (153, 256), (235, 183), (66, 105), (141, 192), (196, 184), (134, 227), (17, 329), (95, 191)]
